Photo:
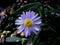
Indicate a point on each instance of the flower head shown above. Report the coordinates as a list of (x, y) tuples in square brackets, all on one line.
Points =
[(28, 22)]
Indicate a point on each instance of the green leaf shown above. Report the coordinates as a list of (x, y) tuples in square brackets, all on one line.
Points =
[(12, 39), (30, 6)]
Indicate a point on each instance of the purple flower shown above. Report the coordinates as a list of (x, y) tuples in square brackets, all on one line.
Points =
[(28, 22)]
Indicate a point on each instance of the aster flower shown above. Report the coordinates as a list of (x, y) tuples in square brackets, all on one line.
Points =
[(28, 22)]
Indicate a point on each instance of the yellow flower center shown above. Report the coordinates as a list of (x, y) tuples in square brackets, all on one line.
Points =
[(28, 23)]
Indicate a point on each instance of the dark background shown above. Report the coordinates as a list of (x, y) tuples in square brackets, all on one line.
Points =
[(5, 3)]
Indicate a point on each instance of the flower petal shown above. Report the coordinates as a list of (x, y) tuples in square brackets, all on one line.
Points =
[(26, 31), (38, 18), (19, 18), (18, 22), (36, 28), (32, 30), (23, 15), (28, 14), (20, 29), (38, 21), (34, 16)]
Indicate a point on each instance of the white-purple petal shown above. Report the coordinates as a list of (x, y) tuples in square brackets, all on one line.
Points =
[(23, 15), (37, 21), (33, 17), (20, 29), (32, 30), (36, 28), (38, 18), (20, 18), (26, 31), (18, 22), (28, 14), (32, 14)]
